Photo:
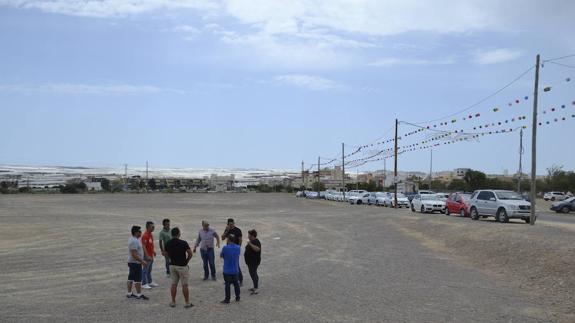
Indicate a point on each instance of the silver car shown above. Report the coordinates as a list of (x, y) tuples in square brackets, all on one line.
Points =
[(503, 205)]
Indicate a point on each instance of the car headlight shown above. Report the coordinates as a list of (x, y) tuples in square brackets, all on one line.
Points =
[(513, 207)]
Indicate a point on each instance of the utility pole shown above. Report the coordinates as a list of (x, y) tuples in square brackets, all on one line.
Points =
[(520, 176), (534, 144), (146, 176), (302, 177), (125, 177), (343, 169), (384, 171), (430, 167), (318, 182), (395, 166)]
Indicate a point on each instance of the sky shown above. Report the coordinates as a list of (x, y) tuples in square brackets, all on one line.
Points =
[(269, 84)]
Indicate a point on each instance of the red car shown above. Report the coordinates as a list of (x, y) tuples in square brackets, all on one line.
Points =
[(458, 203)]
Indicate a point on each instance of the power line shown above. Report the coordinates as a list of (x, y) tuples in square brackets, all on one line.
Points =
[(558, 58), (561, 64), (484, 99)]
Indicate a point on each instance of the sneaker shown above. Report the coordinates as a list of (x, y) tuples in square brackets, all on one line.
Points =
[(214, 278), (252, 289), (254, 292), (205, 278), (153, 285), (237, 299), (225, 301), (189, 305), (131, 295), (172, 304), (146, 286), (143, 297)]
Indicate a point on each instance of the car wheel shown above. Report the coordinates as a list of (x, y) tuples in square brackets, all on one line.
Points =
[(358, 202), (565, 209), (474, 214), (527, 220), (422, 209), (501, 216), (412, 208), (462, 213), (446, 211), (553, 199)]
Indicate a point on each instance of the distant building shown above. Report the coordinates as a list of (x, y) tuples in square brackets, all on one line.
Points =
[(93, 186)]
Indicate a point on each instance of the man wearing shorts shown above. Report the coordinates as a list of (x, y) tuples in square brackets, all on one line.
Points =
[(135, 263), (180, 254)]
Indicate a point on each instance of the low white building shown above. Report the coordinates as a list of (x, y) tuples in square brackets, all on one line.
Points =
[(93, 186)]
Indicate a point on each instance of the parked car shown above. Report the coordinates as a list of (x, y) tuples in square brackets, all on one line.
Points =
[(427, 203), (442, 196), (299, 194), (564, 206), (389, 200), (421, 192), (458, 203), (503, 205), (376, 198), (554, 196), (311, 195), (358, 199), (338, 196)]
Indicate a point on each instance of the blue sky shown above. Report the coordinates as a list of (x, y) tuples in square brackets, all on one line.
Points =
[(268, 84)]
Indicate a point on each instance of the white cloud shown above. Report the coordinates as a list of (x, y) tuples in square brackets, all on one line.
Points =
[(109, 8), (395, 61), (496, 56), (83, 89), (308, 82)]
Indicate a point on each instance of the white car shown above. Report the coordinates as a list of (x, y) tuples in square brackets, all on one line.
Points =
[(338, 196), (359, 199), (376, 198), (352, 193), (427, 203), (442, 196), (402, 200), (555, 196)]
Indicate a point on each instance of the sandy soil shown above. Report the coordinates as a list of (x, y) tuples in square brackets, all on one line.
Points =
[(63, 258)]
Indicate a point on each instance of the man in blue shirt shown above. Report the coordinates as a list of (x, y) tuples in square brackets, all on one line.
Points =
[(231, 255)]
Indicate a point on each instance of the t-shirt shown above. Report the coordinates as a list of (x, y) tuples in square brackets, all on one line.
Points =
[(251, 256), (231, 255), (165, 236), (176, 249), (148, 243), (235, 231), (134, 244)]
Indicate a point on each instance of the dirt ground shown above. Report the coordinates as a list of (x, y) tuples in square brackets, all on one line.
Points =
[(63, 258)]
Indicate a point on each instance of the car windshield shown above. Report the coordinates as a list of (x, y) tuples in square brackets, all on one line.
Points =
[(465, 197), (571, 199), (428, 197), (509, 195)]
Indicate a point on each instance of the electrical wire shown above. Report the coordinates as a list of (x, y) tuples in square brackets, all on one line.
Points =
[(484, 99), (561, 64), (558, 58)]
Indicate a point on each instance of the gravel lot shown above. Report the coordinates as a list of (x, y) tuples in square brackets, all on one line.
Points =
[(63, 258)]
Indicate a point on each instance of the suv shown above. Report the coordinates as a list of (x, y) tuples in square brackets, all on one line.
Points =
[(555, 196), (503, 205)]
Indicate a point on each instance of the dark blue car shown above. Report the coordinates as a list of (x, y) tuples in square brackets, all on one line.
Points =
[(564, 206)]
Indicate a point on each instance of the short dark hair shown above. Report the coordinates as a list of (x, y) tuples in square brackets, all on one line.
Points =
[(175, 232), (136, 229), (233, 239), (149, 223), (253, 233), (164, 221), (230, 220)]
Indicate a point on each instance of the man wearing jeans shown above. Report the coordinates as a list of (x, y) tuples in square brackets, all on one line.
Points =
[(165, 236), (206, 242), (231, 255), (149, 254)]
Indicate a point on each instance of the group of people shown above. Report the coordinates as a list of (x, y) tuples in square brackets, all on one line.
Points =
[(178, 253)]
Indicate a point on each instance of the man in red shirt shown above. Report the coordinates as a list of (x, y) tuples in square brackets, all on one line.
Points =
[(149, 254)]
